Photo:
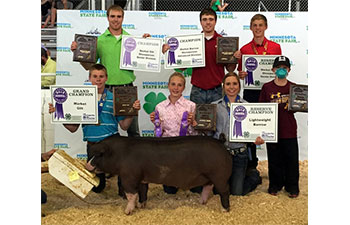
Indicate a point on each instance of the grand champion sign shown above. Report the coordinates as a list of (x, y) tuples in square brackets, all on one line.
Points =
[(74, 104)]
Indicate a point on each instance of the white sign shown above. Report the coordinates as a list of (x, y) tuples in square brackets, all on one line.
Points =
[(185, 51), (250, 120), (259, 70), (74, 104), (141, 54)]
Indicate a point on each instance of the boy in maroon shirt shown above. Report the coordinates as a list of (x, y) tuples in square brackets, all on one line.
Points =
[(283, 157)]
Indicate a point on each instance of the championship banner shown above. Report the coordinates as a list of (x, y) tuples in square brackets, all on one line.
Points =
[(289, 29), (74, 104), (141, 54), (251, 120)]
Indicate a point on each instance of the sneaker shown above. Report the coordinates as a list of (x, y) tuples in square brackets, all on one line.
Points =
[(273, 193), (292, 195)]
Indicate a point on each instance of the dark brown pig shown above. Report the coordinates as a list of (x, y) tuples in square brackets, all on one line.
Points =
[(183, 162)]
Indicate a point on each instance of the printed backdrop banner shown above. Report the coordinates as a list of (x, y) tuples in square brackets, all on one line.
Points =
[(290, 30)]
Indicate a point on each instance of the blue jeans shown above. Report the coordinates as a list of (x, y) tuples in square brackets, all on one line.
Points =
[(201, 96), (239, 166)]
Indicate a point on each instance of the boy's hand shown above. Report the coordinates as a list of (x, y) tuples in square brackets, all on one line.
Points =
[(73, 46), (151, 116), (165, 48), (51, 108), (137, 105), (242, 74), (237, 54), (259, 141)]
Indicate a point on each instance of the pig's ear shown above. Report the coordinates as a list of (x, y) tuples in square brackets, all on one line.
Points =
[(104, 149)]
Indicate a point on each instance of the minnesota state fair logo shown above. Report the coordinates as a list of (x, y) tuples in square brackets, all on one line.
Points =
[(157, 15), (155, 85), (62, 73), (284, 39), (64, 25), (188, 27), (284, 15), (63, 49), (225, 15), (93, 13), (61, 146), (129, 26)]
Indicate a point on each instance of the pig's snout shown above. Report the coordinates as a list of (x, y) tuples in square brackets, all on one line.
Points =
[(90, 167)]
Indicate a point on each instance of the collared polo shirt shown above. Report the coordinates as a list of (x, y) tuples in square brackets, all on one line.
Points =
[(108, 123), (170, 116), (273, 48), (108, 51), (211, 75)]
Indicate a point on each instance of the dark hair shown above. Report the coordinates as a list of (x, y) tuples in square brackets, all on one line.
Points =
[(97, 66), (116, 8), (43, 53), (207, 11)]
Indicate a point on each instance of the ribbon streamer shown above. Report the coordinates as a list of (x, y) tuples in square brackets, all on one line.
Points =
[(171, 58), (249, 78), (184, 124), (237, 129), (127, 58), (59, 111), (158, 127)]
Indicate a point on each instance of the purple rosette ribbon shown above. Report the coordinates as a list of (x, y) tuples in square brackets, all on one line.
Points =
[(158, 127), (239, 113), (129, 46), (251, 64), (173, 44), (184, 124), (60, 96)]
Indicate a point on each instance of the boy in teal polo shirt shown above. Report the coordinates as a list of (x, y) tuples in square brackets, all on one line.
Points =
[(108, 125)]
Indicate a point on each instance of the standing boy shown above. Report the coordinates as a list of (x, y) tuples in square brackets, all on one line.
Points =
[(108, 52), (206, 81), (108, 123), (283, 156), (260, 45)]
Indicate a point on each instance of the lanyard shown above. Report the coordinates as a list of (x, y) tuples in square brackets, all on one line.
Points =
[(256, 51), (102, 101), (228, 104)]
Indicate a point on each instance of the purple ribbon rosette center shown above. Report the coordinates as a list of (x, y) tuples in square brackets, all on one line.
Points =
[(158, 127), (173, 44), (251, 64), (60, 96), (129, 46), (239, 113)]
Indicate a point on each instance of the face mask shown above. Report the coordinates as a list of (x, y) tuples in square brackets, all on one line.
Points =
[(281, 73)]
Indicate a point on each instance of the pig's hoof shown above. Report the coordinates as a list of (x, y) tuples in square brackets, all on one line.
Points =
[(225, 210), (141, 205), (128, 211), (203, 201)]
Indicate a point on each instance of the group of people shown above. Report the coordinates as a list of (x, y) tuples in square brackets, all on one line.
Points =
[(209, 85), (49, 11)]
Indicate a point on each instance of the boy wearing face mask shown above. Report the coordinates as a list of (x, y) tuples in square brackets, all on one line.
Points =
[(283, 156)]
